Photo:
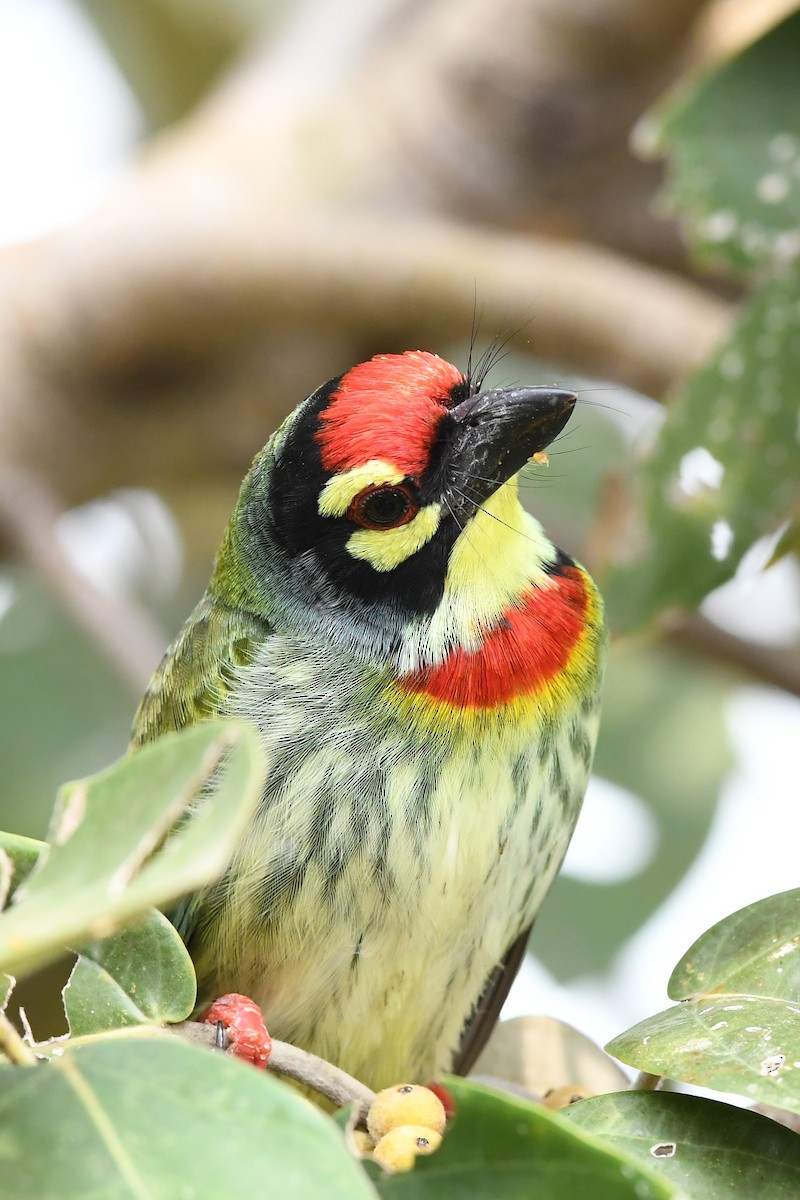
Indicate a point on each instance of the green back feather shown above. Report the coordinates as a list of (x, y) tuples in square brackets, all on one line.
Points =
[(192, 684)]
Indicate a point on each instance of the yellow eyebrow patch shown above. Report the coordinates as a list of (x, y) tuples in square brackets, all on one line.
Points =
[(340, 491), (385, 549)]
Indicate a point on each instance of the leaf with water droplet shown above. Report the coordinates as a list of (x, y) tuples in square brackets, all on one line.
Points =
[(706, 1148), (738, 1028), (725, 471), (754, 950), (731, 137)]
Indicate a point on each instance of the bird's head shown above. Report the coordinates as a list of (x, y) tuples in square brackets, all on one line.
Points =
[(387, 501)]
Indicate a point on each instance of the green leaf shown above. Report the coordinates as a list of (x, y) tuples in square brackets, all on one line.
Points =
[(149, 1117), (739, 1027), (508, 1149), (737, 421), (6, 875), (23, 853), (707, 1148), (143, 975), (7, 983), (732, 141), (733, 1043), (788, 542), (755, 950), (110, 861)]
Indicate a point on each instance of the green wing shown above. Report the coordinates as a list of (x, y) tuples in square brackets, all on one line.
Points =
[(198, 670), (191, 684)]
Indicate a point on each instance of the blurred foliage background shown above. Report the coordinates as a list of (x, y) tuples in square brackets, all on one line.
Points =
[(319, 181)]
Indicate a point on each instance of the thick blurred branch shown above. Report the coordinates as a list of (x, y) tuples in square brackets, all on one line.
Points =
[(320, 206), (517, 113), (159, 341), (141, 390)]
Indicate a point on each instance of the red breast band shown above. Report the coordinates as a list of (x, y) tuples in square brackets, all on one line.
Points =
[(532, 644)]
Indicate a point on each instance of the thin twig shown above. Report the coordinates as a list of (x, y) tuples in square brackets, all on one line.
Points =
[(336, 1085), (296, 1064), (777, 666), (122, 632), (645, 1082)]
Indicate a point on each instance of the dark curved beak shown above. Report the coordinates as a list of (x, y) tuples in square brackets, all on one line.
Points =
[(499, 430)]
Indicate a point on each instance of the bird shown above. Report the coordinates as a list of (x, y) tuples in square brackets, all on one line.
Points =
[(423, 666)]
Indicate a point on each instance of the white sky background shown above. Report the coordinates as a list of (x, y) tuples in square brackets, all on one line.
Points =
[(68, 124)]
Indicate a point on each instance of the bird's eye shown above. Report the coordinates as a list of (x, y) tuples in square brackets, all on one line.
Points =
[(383, 506)]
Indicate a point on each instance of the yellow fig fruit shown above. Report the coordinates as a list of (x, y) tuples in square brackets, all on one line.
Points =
[(405, 1104), (397, 1149), (360, 1142), (562, 1097)]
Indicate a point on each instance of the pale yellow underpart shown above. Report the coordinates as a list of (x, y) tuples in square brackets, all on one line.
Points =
[(421, 947), (385, 549), (341, 490), (500, 554)]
